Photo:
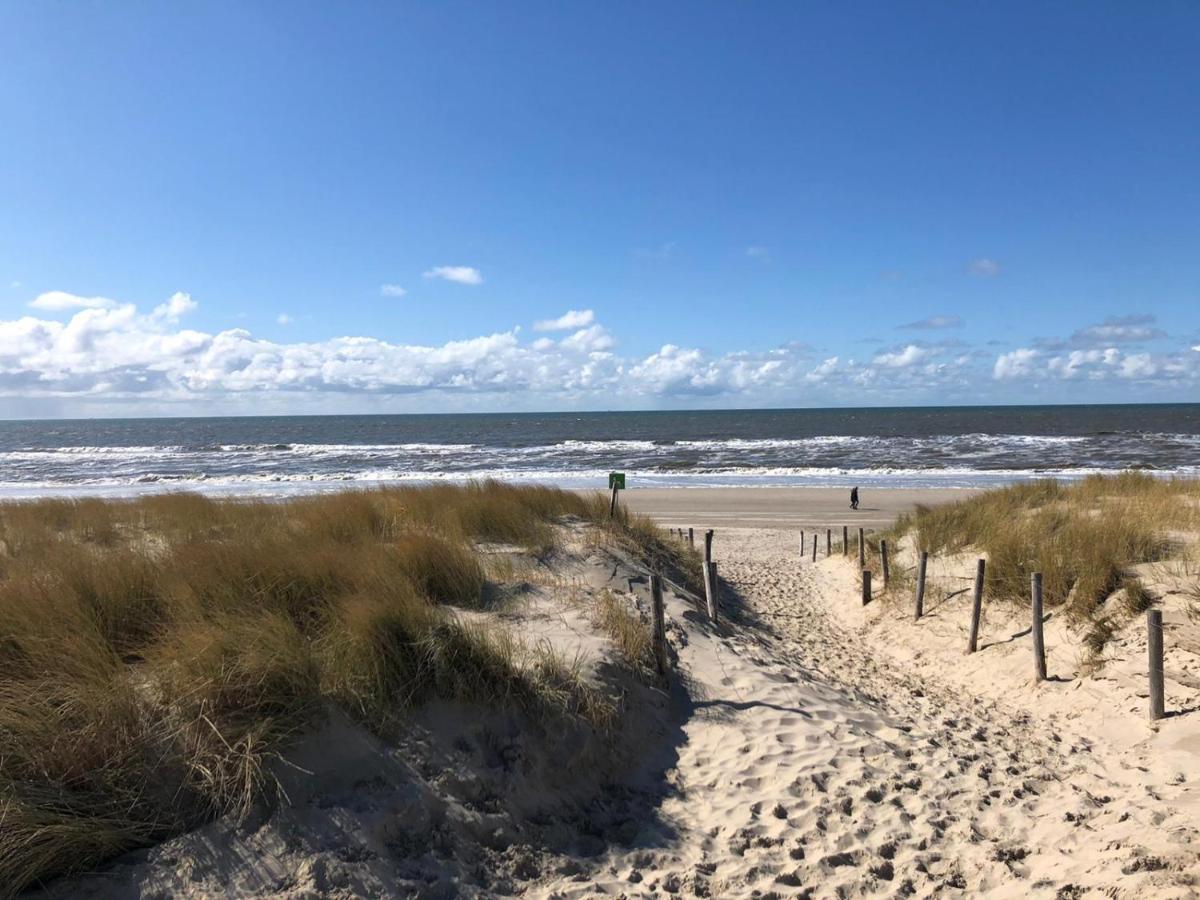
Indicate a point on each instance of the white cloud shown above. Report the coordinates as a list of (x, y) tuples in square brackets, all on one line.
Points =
[(934, 322), (392, 290), (572, 318), (284, 319), (115, 357), (1138, 365), (1197, 348), (589, 340), (823, 371), (1015, 364), (900, 359), (57, 301), (179, 305), (1120, 330), (984, 267), (457, 274)]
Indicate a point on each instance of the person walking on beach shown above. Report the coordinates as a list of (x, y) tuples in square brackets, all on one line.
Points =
[(854, 498)]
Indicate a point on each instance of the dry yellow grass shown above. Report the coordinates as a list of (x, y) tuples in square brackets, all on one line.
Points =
[(155, 654), (1083, 538)]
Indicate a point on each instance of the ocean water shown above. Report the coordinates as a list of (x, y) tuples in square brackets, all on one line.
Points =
[(919, 447)]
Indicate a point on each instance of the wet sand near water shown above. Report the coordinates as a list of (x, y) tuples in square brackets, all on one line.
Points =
[(783, 507)]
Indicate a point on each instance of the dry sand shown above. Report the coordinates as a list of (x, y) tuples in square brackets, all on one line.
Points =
[(807, 748), (815, 763)]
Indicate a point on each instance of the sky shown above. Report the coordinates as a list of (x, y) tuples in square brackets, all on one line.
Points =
[(269, 207)]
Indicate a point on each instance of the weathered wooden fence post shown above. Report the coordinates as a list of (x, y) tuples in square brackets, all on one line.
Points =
[(710, 589), (612, 504), (692, 538), (814, 550), (920, 611), (845, 541), (884, 561), (802, 545), (828, 542), (708, 545), (659, 621), (1154, 642), (1039, 641), (976, 607), (866, 586), (862, 550)]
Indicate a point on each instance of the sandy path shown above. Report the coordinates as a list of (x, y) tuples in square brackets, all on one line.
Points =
[(809, 769)]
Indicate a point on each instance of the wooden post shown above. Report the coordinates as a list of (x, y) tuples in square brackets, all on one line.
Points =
[(976, 608), (866, 586), (692, 538), (708, 545), (884, 560), (710, 589), (921, 585), (658, 619), (802, 545), (1039, 642), (862, 550), (1154, 641), (845, 541), (612, 504), (814, 550), (828, 542)]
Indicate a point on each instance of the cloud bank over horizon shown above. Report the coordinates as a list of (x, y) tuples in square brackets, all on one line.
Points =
[(103, 356)]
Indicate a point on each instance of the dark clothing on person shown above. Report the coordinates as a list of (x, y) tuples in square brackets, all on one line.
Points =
[(854, 498)]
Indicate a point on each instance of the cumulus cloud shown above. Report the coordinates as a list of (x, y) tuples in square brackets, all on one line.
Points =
[(1097, 364), (982, 267), (1138, 365), (115, 355), (457, 274), (572, 318), (900, 359), (57, 301), (934, 322), (1120, 330), (822, 371), (116, 352), (593, 339), (392, 290), (1018, 363)]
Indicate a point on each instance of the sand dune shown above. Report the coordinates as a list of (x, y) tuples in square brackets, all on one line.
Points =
[(806, 748)]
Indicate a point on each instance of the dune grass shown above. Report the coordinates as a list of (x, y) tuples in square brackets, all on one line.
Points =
[(157, 654), (1083, 537)]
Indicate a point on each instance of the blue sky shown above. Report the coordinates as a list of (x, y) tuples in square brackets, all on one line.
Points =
[(298, 207)]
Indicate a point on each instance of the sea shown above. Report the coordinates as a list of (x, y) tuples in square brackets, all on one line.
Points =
[(892, 447)]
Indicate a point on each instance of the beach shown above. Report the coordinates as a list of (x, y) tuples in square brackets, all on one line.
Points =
[(791, 508), (803, 744)]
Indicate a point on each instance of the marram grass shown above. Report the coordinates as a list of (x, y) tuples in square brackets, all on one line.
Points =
[(155, 654)]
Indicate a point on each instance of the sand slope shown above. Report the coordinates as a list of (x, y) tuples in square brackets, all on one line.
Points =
[(812, 767), (802, 751)]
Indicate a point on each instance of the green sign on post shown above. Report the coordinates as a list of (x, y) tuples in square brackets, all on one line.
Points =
[(616, 480)]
